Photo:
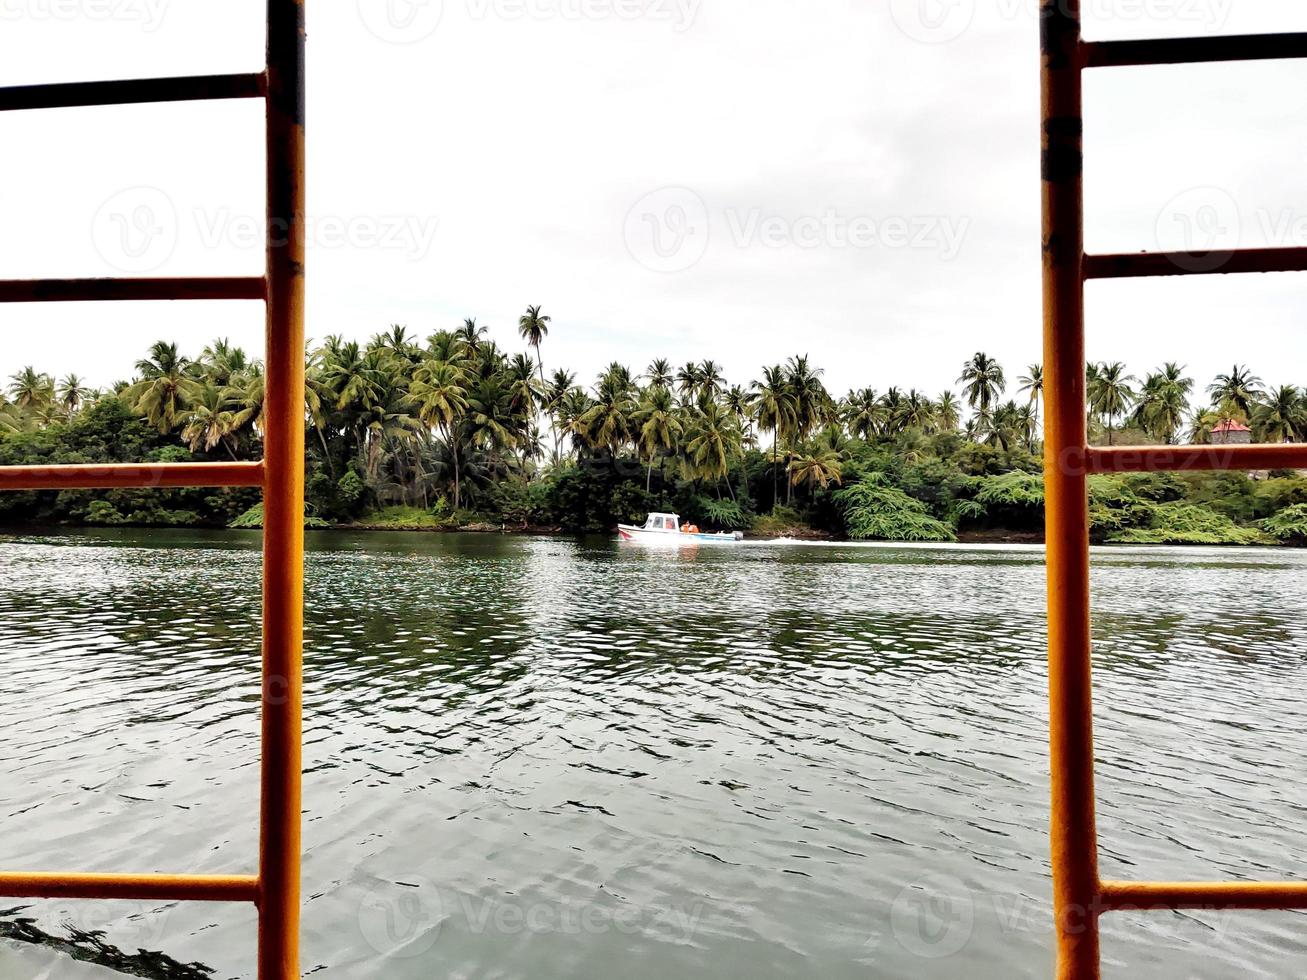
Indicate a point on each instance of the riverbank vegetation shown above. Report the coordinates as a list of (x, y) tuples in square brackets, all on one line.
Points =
[(454, 430)]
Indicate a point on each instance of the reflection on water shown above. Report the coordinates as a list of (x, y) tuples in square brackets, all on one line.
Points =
[(544, 758)]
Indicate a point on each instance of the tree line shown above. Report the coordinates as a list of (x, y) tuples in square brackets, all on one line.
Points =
[(455, 423)]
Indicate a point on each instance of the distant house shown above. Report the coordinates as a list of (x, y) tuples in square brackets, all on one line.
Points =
[(1231, 433)]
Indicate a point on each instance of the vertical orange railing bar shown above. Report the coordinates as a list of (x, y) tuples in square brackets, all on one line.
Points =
[(1079, 896), (283, 530), (1073, 834)]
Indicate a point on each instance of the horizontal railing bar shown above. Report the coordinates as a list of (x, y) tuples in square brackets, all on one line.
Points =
[(1158, 459), (1140, 264), (1118, 896), (1194, 50), (129, 290), (186, 88), (109, 476), (194, 888)]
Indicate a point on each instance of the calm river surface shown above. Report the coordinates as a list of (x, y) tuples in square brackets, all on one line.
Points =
[(556, 759)]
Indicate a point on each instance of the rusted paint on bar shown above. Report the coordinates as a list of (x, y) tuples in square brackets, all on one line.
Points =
[(1136, 896), (196, 888), (1194, 50), (1143, 264), (1158, 459), (283, 534), (1072, 830), (186, 88), (130, 290), (109, 476)]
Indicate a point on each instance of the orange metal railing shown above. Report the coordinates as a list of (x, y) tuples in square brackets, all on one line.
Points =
[(1080, 897), (275, 890)]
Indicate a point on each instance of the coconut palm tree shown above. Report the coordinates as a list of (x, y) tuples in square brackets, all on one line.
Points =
[(72, 394), (31, 389), (1240, 388), (983, 381), (1032, 384), (534, 327), (774, 410), (948, 413), (659, 426), (1281, 417), (660, 373), (1110, 393), (209, 421), (1163, 401), (165, 388), (439, 398), (820, 468)]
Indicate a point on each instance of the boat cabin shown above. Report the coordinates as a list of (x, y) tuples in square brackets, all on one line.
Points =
[(662, 522)]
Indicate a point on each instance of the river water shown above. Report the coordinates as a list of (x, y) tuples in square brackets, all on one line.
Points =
[(549, 758)]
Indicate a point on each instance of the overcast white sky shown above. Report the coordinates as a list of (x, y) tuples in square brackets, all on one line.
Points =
[(855, 179)]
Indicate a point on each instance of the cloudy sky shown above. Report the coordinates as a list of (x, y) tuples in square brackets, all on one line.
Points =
[(730, 179)]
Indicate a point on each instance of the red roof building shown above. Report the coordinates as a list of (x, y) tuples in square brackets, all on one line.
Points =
[(1231, 433)]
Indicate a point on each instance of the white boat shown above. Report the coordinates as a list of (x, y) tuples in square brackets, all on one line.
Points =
[(666, 529)]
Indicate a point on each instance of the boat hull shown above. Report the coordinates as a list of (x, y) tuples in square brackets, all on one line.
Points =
[(672, 539)]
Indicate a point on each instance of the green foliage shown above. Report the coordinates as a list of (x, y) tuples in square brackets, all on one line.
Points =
[(725, 514), (1183, 523), (876, 509), (1289, 524), (1015, 489), (253, 519)]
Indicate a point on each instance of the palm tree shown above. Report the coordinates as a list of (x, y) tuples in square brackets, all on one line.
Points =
[(1282, 417), (470, 334), (1163, 402), (607, 423), (820, 468), (165, 389), (1032, 383), (983, 380), (660, 373), (774, 410), (209, 421), (72, 393), (659, 426), (948, 412), (439, 396), (712, 442), (1240, 388), (1110, 393), (31, 390), (534, 327)]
